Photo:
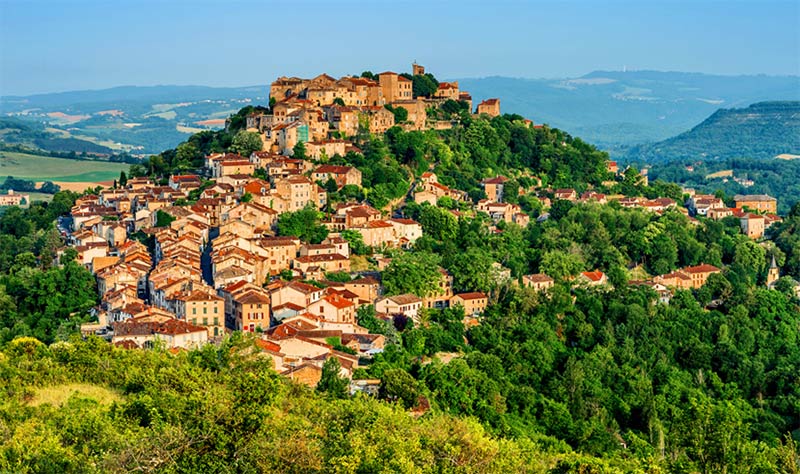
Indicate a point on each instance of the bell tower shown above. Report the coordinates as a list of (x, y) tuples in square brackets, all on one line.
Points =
[(773, 273)]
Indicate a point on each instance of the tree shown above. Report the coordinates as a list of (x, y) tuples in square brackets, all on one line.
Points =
[(662, 253), (453, 107), (424, 85), (123, 179), (246, 197), (331, 383), (400, 113), (188, 155), (299, 151), (559, 264), (163, 219), (472, 270), (397, 385), (438, 223), (356, 241), (618, 276), (749, 259), (303, 224), (331, 186), (413, 272), (245, 143)]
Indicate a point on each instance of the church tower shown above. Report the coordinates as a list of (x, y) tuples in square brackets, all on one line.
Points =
[(773, 273)]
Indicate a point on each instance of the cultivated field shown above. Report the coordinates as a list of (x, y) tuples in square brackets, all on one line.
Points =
[(59, 170)]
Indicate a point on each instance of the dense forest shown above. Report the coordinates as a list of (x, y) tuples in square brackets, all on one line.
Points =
[(576, 380)]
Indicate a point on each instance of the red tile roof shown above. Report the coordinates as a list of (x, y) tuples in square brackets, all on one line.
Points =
[(475, 295), (702, 268), (593, 276)]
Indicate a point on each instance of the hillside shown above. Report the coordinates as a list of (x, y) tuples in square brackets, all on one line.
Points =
[(613, 108), (34, 135), (763, 130), (637, 352)]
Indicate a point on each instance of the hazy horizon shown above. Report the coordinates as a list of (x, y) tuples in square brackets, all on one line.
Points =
[(49, 46), (266, 84)]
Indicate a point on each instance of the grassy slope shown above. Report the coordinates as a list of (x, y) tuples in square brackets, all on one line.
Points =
[(43, 168)]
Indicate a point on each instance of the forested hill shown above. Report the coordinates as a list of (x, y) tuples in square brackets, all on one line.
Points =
[(762, 130)]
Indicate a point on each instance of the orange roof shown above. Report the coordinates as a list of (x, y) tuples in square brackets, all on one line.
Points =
[(594, 276), (702, 268), (304, 287), (475, 295), (377, 224), (252, 297), (338, 301), (405, 221)]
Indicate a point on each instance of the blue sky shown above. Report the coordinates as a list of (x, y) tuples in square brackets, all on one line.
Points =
[(51, 45)]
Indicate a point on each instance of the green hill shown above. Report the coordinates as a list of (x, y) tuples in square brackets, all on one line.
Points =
[(763, 130)]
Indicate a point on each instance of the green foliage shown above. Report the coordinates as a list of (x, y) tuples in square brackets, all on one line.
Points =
[(303, 224), (331, 383), (163, 219), (397, 385), (559, 264), (188, 155), (299, 151), (356, 241), (366, 318), (437, 223), (472, 271), (47, 303), (245, 143), (758, 131), (424, 85), (341, 277), (777, 178), (416, 273), (219, 409)]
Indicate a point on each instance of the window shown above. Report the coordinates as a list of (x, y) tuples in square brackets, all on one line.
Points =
[(194, 310)]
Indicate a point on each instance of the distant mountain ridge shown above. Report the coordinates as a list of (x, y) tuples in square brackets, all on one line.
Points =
[(87, 100), (762, 130), (615, 109)]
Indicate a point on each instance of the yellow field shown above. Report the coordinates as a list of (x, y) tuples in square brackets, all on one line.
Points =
[(58, 394), (720, 174)]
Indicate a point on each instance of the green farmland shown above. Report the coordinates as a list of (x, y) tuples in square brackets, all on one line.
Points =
[(45, 168)]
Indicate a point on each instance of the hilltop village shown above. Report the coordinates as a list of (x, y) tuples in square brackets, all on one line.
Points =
[(256, 243)]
